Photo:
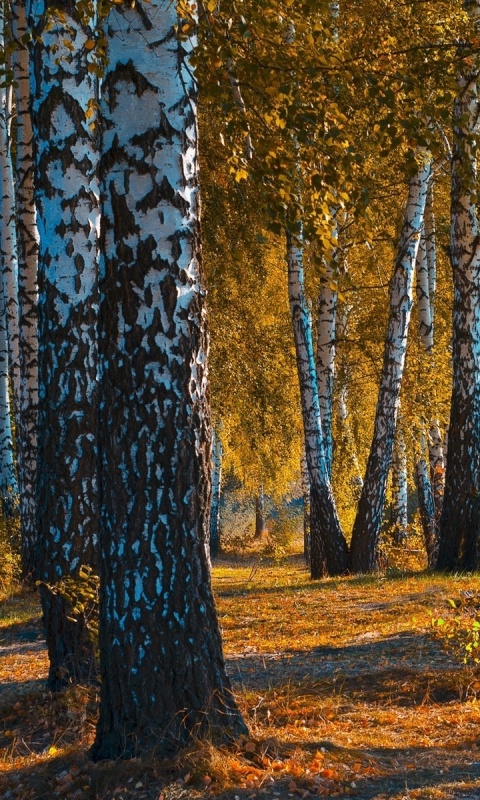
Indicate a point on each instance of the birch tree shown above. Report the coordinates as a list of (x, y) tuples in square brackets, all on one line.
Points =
[(328, 548), (67, 198), (27, 292), (460, 522), (368, 521), (162, 668)]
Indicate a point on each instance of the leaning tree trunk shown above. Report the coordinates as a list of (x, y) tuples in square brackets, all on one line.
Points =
[(27, 294), (460, 521), (67, 196), (366, 529), (329, 553), (162, 668)]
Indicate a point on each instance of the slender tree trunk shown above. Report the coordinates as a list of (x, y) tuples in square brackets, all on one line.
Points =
[(8, 240), (217, 455), (325, 358), (306, 508), (329, 553), (437, 467), (399, 489), (259, 513), (425, 321), (67, 196), (27, 294), (431, 251), (8, 480), (427, 509), (368, 521), (460, 521), (162, 668)]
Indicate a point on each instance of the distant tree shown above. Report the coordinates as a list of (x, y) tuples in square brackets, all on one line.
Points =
[(162, 668)]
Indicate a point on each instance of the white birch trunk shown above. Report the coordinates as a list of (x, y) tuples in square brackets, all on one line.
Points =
[(437, 466), (431, 251), (27, 293), (329, 553), (162, 668), (368, 521), (8, 480), (459, 547), (399, 489), (67, 198), (8, 238), (325, 358), (425, 322)]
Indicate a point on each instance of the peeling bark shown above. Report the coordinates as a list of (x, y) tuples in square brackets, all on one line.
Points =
[(399, 489)]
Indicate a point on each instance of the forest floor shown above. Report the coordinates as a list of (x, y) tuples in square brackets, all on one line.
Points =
[(344, 687)]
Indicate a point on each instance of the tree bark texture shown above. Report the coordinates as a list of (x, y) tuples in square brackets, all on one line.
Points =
[(67, 198), (162, 667), (27, 293), (460, 521), (366, 529), (329, 552)]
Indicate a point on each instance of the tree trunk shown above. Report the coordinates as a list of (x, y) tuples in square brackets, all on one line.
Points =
[(325, 358), (329, 553), (67, 196), (460, 521), (368, 521), (259, 513), (437, 467), (399, 490), (425, 322), (306, 508), (27, 295), (431, 251), (216, 495), (427, 509), (8, 480), (162, 668)]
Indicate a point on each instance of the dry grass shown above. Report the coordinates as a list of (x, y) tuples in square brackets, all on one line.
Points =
[(343, 687)]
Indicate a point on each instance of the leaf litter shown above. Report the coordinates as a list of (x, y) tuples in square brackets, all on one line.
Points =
[(345, 690)]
